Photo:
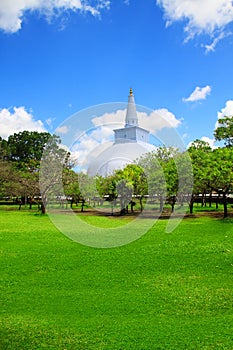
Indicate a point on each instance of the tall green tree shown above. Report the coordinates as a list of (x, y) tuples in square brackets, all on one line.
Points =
[(224, 131), (88, 187), (135, 175), (26, 148), (8, 179), (3, 149), (201, 156), (222, 173), (161, 173), (185, 181), (106, 187), (55, 160), (71, 185), (124, 190)]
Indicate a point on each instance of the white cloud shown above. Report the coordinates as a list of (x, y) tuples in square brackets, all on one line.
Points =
[(18, 120), (198, 94), (157, 120), (211, 47), (103, 134), (83, 147), (62, 129), (226, 111), (12, 12), (201, 16), (115, 119)]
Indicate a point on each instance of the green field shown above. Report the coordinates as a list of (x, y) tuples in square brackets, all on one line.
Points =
[(163, 291)]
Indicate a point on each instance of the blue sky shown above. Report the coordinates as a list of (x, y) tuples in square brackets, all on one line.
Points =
[(60, 56)]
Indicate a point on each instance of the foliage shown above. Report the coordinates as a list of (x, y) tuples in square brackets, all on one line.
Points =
[(135, 175), (213, 170), (165, 174), (135, 178), (124, 192), (87, 187), (200, 153), (106, 187), (161, 173), (222, 173), (53, 163), (3, 149), (26, 148), (222, 169), (70, 183), (8, 179), (123, 184), (224, 131)]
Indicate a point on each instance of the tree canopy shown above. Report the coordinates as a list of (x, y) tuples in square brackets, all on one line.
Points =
[(26, 147), (224, 131), (34, 164)]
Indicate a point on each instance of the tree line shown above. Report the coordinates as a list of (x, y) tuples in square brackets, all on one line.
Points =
[(34, 167)]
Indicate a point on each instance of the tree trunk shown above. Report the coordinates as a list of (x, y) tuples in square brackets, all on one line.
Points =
[(225, 205), (173, 203), (210, 200), (191, 205), (43, 204), (141, 206), (161, 203), (202, 199), (43, 208)]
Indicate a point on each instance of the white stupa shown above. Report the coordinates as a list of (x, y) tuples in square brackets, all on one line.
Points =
[(130, 143), (131, 132)]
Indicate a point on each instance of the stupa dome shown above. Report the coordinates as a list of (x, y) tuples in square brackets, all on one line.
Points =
[(117, 156)]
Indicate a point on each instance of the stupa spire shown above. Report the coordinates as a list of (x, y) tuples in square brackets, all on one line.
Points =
[(131, 114)]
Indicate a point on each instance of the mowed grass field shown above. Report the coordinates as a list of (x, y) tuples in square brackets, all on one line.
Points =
[(163, 291)]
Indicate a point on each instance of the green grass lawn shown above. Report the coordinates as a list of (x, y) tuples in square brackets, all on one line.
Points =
[(163, 291)]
